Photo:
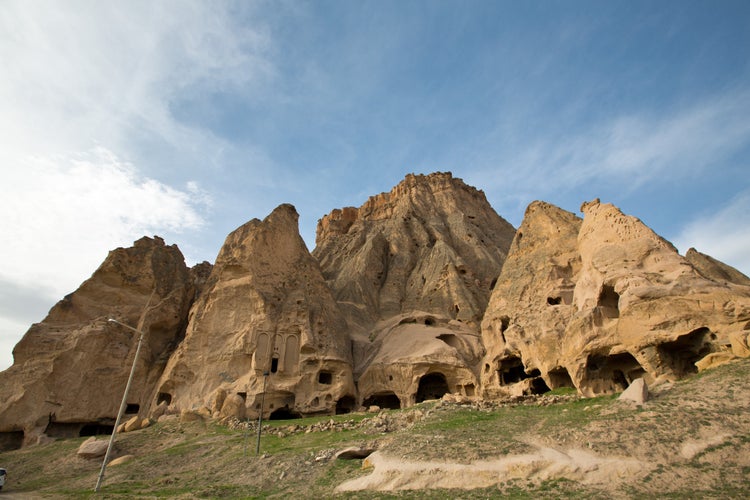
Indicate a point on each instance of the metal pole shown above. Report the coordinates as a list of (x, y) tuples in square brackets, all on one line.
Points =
[(122, 404), (260, 415)]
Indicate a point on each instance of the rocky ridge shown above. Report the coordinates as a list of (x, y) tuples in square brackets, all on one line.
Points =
[(420, 292)]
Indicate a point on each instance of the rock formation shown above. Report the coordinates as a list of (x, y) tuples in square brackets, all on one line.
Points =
[(426, 253), (265, 309), (70, 370), (620, 304), (420, 292)]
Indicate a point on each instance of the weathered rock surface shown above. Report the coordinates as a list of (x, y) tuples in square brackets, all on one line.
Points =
[(622, 304), (70, 370), (429, 250), (265, 309), (420, 293), (92, 448), (431, 244), (418, 357)]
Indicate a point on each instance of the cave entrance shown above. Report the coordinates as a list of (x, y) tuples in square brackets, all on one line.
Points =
[(681, 354), (164, 397), (609, 302), (77, 429), (386, 399), (284, 414), (432, 386), (11, 440), (612, 373), (559, 377), (512, 371), (345, 405)]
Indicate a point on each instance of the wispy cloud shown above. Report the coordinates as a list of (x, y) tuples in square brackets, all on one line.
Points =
[(724, 234), (626, 150), (101, 144)]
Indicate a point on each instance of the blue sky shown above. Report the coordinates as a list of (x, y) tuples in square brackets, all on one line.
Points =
[(187, 119)]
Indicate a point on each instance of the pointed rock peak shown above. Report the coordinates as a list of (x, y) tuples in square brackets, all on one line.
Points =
[(607, 224)]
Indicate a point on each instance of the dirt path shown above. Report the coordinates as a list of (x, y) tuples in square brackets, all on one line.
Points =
[(544, 463)]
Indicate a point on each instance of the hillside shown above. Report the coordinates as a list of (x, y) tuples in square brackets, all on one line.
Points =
[(691, 439)]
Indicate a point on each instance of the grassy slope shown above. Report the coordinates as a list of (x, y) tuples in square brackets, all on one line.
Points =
[(204, 460)]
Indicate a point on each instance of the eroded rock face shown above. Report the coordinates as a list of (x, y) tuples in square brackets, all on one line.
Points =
[(429, 250), (418, 357), (637, 309), (431, 244), (265, 309), (70, 370)]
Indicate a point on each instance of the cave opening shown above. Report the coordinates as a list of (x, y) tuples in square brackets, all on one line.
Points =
[(612, 373), (682, 353), (512, 371), (11, 440), (164, 397), (386, 399), (325, 378), (559, 377), (609, 301), (284, 413), (345, 405), (432, 386)]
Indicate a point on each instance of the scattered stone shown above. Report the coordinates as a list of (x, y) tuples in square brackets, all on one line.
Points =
[(120, 460), (637, 392), (93, 448)]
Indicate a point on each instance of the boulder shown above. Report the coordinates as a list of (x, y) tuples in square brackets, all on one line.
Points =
[(354, 453), (636, 392), (93, 448), (714, 359), (133, 424), (120, 460)]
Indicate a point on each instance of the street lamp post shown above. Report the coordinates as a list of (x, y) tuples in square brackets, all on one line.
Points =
[(122, 404), (260, 415)]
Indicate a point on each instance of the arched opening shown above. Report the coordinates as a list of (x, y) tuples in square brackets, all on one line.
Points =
[(429, 321), (164, 397), (387, 400), (681, 354), (609, 302), (431, 386), (512, 371), (345, 405), (559, 377), (612, 373), (274, 364), (284, 414)]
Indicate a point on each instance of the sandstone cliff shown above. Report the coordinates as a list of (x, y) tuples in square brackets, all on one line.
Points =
[(621, 303), (265, 309), (431, 244), (411, 268), (419, 292), (70, 370)]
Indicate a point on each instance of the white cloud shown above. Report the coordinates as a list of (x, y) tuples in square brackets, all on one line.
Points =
[(88, 87), (62, 215), (724, 235)]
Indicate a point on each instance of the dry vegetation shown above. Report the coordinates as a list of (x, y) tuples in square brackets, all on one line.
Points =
[(692, 439)]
